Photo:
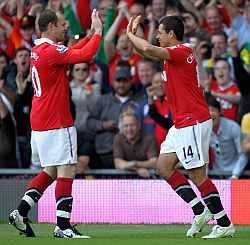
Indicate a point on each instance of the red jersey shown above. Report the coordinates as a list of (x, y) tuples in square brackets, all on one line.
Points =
[(49, 65), (229, 109), (185, 96)]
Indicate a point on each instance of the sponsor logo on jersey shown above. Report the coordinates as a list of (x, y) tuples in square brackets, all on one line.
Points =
[(61, 49)]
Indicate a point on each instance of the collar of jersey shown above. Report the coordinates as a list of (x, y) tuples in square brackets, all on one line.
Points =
[(43, 40)]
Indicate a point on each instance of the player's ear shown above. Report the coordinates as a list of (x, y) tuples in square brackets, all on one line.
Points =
[(171, 34), (50, 26)]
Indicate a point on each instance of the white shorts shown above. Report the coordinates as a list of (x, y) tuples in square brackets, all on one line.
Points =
[(191, 144), (54, 147)]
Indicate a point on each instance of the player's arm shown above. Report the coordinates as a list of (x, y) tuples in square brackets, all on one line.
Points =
[(144, 55), (81, 42), (63, 55), (144, 47)]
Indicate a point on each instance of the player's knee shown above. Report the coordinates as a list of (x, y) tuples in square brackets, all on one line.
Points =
[(163, 171), (197, 178)]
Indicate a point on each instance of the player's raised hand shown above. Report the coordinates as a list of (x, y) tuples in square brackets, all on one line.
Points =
[(133, 24), (136, 23), (96, 25), (130, 25)]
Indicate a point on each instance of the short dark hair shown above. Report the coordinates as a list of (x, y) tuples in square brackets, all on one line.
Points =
[(192, 14), (222, 59), (147, 61), (220, 33), (175, 24), (21, 49), (46, 17), (212, 102)]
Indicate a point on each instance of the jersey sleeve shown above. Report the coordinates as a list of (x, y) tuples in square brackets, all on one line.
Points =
[(177, 54), (62, 55), (81, 43)]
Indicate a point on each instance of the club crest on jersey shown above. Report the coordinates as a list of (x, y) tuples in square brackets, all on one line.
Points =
[(190, 59), (61, 49)]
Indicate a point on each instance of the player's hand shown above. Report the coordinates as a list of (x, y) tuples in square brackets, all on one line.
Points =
[(130, 25), (96, 25), (136, 23)]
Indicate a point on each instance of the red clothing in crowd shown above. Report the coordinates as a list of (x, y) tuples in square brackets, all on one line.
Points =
[(228, 108)]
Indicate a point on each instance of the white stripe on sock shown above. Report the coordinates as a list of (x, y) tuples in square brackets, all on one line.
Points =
[(194, 202), (183, 187), (63, 199), (220, 214), (211, 195), (29, 200), (63, 214)]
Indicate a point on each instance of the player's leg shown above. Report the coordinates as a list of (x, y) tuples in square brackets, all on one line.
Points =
[(66, 171), (206, 187), (211, 197), (35, 189), (190, 157), (166, 168)]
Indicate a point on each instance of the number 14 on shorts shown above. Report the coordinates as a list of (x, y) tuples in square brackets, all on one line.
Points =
[(188, 153)]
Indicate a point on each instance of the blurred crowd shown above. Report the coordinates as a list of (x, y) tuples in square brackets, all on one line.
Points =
[(118, 102)]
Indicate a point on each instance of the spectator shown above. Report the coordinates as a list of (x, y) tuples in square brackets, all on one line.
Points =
[(23, 31), (245, 129), (123, 49), (192, 28), (106, 9), (146, 70), (213, 18), (85, 92), (7, 135), (219, 45), (22, 109), (225, 91), (229, 159), (3, 74), (159, 109), (240, 23), (133, 149), (242, 77), (6, 45), (103, 118), (20, 64), (159, 8)]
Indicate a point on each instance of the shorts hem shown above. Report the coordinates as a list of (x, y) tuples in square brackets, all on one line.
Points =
[(59, 164), (193, 166)]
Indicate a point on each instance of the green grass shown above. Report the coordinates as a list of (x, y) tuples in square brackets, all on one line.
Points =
[(121, 235)]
